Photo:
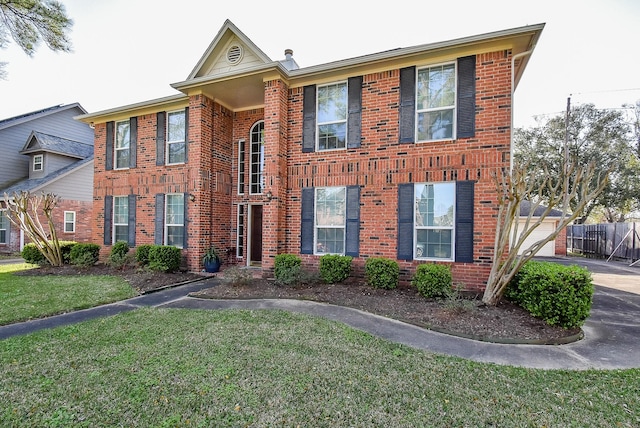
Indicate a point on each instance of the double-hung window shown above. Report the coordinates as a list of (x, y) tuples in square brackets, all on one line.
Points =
[(332, 116), (69, 221), (120, 218), (436, 102), (174, 220), (434, 220), (330, 220), (122, 150), (176, 136), (4, 227), (38, 162)]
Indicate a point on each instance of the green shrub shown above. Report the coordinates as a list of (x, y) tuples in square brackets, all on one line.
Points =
[(287, 269), (335, 268), (433, 280), (560, 295), (84, 254), (119, 255), (142, 254), (65, 250), (164, 258), (31, 254), (382, 273)]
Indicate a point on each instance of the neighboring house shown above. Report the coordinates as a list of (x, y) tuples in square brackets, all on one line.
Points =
[(555, 247), (47, 151), (385, 155)]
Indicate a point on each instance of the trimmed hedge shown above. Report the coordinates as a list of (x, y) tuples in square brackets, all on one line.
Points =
[(433, 280), (119, 255), (335, 268), (165, 258), (31, 254), (560, 295), (382, 273), (142, 254), (287, 269), (84, 254)]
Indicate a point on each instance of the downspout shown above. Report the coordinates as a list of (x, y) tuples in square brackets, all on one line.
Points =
[(513, 90)]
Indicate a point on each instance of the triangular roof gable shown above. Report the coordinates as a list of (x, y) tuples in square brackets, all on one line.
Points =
[(215, 59), (39, 141)]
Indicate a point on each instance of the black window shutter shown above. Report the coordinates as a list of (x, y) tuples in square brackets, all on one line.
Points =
[(108, 165), (159, 224), (407, 105), (309, 119), (466, 116), (160, 131), (108, 212), (306, 228), (186, 220), (354, 121), (133, 141), (352, 233), (464, 221), (405, 221), (186, 136), (132, 221)]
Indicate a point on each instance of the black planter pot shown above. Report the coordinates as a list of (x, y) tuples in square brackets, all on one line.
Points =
[(211, 266)]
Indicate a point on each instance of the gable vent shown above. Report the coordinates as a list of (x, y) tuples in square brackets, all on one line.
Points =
[(234, 54)]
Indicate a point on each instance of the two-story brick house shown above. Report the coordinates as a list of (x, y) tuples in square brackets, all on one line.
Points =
[(385, 155)]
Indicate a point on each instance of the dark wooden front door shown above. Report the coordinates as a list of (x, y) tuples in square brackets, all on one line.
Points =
[(256, 234)]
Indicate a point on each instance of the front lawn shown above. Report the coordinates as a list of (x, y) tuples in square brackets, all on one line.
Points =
[(175, 367), (27, 297)]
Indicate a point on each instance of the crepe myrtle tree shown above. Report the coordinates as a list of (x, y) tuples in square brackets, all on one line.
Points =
[(28, 22), (577, 185), (24, 209)]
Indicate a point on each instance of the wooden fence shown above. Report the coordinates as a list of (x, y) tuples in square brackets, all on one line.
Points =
[(607, 240)]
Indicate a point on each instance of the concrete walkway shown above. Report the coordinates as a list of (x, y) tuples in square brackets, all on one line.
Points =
[(610, 342)]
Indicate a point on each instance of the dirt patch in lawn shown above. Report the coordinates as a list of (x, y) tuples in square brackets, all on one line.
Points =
[(465, 316)]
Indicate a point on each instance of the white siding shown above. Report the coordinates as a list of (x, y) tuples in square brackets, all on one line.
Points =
[(542, 231)]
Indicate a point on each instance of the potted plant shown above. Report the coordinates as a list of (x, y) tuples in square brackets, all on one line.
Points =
[(211, 260)]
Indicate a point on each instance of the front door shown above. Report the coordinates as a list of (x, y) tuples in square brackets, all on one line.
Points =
[(255, 243)]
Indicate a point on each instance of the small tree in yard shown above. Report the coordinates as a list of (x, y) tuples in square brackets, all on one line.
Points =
[(23, 213), (577, 185)]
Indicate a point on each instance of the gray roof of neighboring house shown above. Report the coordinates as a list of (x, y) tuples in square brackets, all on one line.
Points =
[(53, 144), (11, 121), (30, 184), (525, 208)]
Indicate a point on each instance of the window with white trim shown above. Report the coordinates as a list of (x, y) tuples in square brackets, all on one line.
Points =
[(122, 144), (69, 221), (436, 102), (241, 166), (120, 218), (332, 116), (176, 132), (257, 159), (240, 231), (330, 220), (434, 220), (4, 226), (174, 219), (38, 162)]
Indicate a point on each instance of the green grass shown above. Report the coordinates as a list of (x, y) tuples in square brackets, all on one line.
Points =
[(27, 297), (172, 367)]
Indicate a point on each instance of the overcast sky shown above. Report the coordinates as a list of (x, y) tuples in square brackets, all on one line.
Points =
[(128, 51)]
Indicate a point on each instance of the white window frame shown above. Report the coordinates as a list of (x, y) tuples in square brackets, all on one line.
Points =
[(242, 176), (332, 122), (169, 196), (38, 160), (5, 223), (256, 180), (117, 149), (116, 199), (182, 140), (242, 213), (416, 228), (452, 107), (72, 222), (319, 247)]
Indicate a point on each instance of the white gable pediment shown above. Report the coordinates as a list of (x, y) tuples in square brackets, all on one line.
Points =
[(230, 51)]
